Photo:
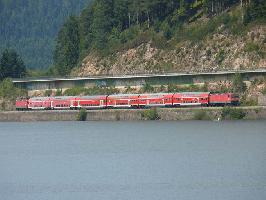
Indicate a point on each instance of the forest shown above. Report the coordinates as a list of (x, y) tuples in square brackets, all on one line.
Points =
[(106, 26), (30, 27)]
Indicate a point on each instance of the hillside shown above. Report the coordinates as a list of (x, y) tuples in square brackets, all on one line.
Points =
[(30, 27), (125, 37), (220, 51)]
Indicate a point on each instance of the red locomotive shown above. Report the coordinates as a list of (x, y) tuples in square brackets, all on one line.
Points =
[(129, 101)]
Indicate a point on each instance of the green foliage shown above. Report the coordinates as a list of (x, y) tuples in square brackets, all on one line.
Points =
[(9, 91), (30, 27), (150, 114), (251, 47), (255, 11), (251, 101), (82, 115), (11, 65), (67, 47), (264, 91), (220, 57), (201, 115), (239, 86), (58, 92), (101, 23), (107, 26), (129, 90), (76, 91), (187, 88), (48, 93), (229, 113), (147, 88)]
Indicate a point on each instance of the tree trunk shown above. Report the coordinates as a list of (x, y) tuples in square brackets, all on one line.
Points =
[(129, 20), (148, 19)]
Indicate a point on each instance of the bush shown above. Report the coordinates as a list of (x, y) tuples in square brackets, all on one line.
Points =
[(91, 91), (74, 91), (238, 84), (220, 57), (252, 47), (150, 114), (147, 88), (229, 113), (58, 92), (171, 88), (201, 115), (264, 91), (48, 93), (82, 115), (249, 101), (9, 91)]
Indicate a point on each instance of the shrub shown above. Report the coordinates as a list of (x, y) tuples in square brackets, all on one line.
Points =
[(229, 113), (264, 91), (220, 57), (91, 91), (171, 88), (201, 115), (58, 92), (74, 91), (48, 93), (249, 101), (147, 88), (252, 47), (9, 91), (82, 115), (150, 114), (238, 84)]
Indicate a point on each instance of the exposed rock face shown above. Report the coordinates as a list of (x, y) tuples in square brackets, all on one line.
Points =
[(219, 52)]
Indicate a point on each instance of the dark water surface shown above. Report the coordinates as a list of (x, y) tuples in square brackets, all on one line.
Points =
[(133, 161)]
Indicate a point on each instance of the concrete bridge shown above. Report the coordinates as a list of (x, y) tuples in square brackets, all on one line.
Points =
[(133, 80)]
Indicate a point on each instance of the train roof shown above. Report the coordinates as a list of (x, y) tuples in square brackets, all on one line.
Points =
[(92, 97), (156, 94), (40, 98), (124, 95), (196, 93)]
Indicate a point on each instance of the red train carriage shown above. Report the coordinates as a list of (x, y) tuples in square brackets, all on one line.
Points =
[(89, 102), (123, 101), (191, 99), (22, 104), (61, 103), (129, 101), (223, 99), (156, 100), (39, 103)]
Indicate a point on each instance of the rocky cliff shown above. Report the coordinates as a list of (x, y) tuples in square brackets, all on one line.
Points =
[(220, 51)]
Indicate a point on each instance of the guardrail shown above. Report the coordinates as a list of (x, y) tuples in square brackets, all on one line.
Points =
[(136, 75)]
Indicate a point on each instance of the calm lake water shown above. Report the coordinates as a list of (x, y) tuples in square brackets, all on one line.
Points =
[(133, 161)]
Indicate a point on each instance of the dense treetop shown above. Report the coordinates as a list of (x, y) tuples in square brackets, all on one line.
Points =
[(30, 27), (11, 65)]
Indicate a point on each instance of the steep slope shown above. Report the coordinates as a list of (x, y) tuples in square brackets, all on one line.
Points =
[(220, 51)]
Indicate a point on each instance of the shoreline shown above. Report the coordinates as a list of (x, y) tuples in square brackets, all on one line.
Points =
[(163, 114)]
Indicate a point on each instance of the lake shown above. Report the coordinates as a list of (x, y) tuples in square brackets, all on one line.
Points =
[(133, 160)]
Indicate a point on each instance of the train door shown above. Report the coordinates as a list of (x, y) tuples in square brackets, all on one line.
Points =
[(101, 103)]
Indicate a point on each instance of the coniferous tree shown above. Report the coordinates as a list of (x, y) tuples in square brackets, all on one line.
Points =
[(86, 32), (255, 10), (11, 65), (67, 48), (102, 23)]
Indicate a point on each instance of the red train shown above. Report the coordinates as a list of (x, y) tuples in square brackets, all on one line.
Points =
[(128, 101)]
